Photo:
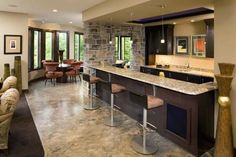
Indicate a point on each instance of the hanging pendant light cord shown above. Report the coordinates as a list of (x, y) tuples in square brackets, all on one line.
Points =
[(162, 27)]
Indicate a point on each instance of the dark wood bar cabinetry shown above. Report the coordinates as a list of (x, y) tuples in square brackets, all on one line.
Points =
[(153, 36), (178, 75), (187, 120)]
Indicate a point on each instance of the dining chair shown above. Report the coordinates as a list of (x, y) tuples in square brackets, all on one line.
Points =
[(75, 71), (51, 72), (69, 61)]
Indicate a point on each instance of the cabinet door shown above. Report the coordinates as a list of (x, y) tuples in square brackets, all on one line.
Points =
[(178, 121), (179, 76), (209, 38), (194, 79), (207, 79)]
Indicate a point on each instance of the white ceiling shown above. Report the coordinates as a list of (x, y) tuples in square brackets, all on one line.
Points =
[(41, 10), (152, 8)]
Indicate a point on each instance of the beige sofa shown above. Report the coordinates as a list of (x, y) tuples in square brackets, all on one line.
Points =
[(10, 82), (8, 102)]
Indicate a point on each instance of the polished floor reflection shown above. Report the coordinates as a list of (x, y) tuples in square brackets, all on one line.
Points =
[(67, 130)]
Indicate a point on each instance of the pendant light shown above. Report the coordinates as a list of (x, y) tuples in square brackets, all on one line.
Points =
[(110, 35), (110, 38), (131, 29), (131, 35), (162, 26)]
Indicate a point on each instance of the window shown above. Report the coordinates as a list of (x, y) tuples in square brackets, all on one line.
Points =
[(48, 46), (123, 48), (63, 43), (79, 46), (35, 49)]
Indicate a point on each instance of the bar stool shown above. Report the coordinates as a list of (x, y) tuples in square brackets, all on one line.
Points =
[(140, 143), (114, 89), (92, 80)]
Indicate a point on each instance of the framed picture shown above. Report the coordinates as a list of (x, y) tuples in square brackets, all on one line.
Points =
[(12, 44), (199, 45), (182, 45)]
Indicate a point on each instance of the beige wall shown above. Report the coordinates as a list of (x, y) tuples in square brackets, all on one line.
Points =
[(225, 43), (16, 24), (187, 29), (53, 26), (203, 63)]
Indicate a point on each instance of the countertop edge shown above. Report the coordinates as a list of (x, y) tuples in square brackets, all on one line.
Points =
[(204, 87)]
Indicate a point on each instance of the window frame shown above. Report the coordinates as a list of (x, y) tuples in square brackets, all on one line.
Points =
[(31, 31), (53, 43), (79, 51), (120, 50), (57, 44)]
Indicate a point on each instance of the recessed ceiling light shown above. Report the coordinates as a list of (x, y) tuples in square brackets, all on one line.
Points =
[(174, 23), (163, 6), (55, 10), (70, 22), (12, 5), (192, 20)]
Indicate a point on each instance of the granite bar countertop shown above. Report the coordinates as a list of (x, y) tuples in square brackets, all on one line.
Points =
[(168, 83), (182, 70)]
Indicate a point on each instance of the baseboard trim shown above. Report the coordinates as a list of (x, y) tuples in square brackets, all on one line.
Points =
[(25, 90), (37, 79)]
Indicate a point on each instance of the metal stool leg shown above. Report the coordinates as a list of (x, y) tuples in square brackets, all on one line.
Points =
[(91, 105), (112, 121), (144, 143)]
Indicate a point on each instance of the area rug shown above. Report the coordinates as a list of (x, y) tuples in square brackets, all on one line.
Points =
[(24, 140)]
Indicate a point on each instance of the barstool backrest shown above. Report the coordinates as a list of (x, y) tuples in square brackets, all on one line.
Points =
[(139, 99), (86, 77)]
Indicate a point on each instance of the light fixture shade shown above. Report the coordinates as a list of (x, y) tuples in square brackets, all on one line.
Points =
[(163, 41), (110, 38)]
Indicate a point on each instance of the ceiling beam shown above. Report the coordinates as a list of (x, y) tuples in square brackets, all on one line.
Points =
[(108, 7)]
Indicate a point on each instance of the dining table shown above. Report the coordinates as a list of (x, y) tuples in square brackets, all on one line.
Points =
[(64, 68)]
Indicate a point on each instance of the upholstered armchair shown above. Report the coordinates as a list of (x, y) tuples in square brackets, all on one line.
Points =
[(10, 82), (51, 71), (75, 71), (69, 61), (9, 100)]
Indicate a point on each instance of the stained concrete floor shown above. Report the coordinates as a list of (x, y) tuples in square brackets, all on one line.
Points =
[(67, 130)]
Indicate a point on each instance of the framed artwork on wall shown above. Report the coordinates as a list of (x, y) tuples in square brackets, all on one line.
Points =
[(182, 45), (199, 45), (12, 44)]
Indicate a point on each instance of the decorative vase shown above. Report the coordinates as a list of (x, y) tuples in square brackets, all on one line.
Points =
[(60, 54), (18, 73), (13, 72), (224, 134), (6, 71)]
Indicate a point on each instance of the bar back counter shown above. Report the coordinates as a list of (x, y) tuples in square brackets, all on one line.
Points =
[(187, 116)]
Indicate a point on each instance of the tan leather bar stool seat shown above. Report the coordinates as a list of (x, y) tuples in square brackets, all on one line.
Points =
[(94, 79), (116, 88), (154, 102)]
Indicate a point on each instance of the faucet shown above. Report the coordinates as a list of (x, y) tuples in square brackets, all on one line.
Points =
[(188, 66)]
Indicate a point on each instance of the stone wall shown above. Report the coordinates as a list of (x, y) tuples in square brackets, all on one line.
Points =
[(97, 47)]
